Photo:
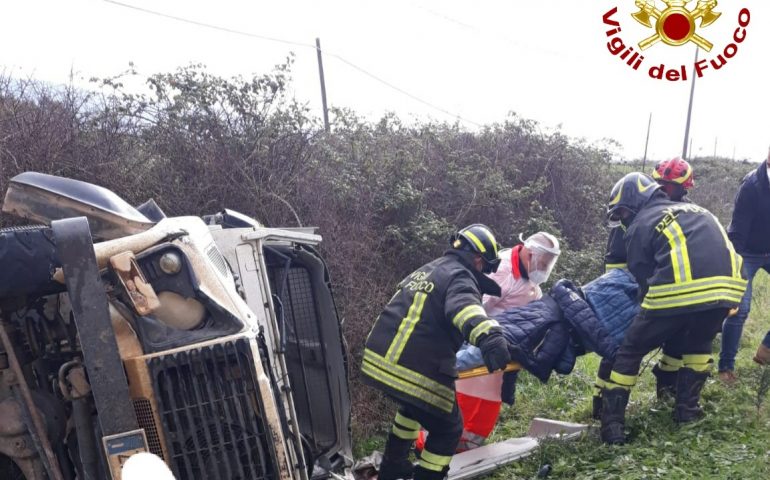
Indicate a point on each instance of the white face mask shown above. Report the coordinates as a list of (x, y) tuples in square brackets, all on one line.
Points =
[(538, 277)]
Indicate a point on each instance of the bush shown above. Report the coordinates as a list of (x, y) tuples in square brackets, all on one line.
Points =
[(385, 195)]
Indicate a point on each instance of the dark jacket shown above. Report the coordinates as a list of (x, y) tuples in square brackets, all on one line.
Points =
[(538, 337), (548, 334), (410, 352), (682, 259), (749, 229), (616, 249), (589, 334)]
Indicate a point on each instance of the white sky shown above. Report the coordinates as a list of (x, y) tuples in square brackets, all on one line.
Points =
[(545, 60)]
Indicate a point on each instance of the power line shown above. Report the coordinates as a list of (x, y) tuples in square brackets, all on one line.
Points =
[(298, 44), (206, 25)]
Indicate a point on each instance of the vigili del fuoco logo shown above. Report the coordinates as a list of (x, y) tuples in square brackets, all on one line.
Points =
[(670, 24)]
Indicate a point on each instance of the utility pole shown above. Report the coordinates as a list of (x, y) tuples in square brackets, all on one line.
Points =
[(323, 84), (716, 139), (647, 142), (690, 149), (685, 152)]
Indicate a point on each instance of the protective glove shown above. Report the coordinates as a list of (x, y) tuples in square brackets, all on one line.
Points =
[(494, 349)]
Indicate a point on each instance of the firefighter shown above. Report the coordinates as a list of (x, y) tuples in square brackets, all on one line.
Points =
[(675, 177), (410, 352), (689, 277), (523, 269)]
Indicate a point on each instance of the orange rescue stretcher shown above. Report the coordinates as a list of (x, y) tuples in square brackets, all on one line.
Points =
[(480, 371)]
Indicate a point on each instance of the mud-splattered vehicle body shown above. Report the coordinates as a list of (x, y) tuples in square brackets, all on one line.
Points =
[(211, 342)]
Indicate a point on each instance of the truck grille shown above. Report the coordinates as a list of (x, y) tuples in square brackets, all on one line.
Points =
[(211, 411), (145, 419)]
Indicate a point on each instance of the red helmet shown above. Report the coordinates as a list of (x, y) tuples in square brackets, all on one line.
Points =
[(676, 171)]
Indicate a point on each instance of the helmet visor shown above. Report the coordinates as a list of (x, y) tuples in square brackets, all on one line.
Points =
[(490, 266), (542, 260), (614, 223)]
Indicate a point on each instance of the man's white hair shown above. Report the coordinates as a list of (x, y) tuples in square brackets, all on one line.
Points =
[(146, 466)]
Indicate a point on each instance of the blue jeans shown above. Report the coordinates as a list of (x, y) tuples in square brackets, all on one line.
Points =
[(733, 326)]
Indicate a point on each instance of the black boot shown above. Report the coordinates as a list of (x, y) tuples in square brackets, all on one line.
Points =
[(596, 407), (614, 401), (421, 473), (395, 469), (665, 386), (689, 384), (395, 461)]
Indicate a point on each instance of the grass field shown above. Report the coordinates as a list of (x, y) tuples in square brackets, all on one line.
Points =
[(732, 442)]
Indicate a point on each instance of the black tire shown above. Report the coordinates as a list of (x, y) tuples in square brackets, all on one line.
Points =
[(9, 470), (27, 260)]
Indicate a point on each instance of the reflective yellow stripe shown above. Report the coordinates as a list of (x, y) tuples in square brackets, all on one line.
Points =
[(409, 375), (698, 362), (735, 259), (680, 259), (685, 252), (612, 266), (407, 327), (697, 298), (622, 381), (658, 291), (476, 241), (599, 384), (410, 389), (407, 422), (481, 329), (676, 264), (617, 198), (466, 313), (491, 238), (434, 462), (444, 396), (669, 364), (405, 434)]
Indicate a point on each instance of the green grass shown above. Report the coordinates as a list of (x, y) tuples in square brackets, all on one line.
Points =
[(732, 442)]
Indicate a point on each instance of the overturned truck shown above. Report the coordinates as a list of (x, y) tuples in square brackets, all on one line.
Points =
[(211, 342)]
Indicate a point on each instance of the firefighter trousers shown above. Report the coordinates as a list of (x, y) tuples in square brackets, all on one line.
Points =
[(692, 333), (444, 433), (670, 361)]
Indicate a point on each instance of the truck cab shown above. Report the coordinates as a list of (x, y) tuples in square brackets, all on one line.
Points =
[(212, 342)]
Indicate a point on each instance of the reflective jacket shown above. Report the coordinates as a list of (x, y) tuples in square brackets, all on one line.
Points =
[(410, 352), (616, 249), (682, 259)]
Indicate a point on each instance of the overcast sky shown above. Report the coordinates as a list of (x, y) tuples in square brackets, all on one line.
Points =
[(477, 60)]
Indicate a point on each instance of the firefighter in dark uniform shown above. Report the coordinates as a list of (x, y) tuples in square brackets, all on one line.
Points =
[(410, 352), (689, 278), (675, 177)]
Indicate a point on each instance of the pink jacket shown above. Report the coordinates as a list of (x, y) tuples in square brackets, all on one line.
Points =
[(516, 290)]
